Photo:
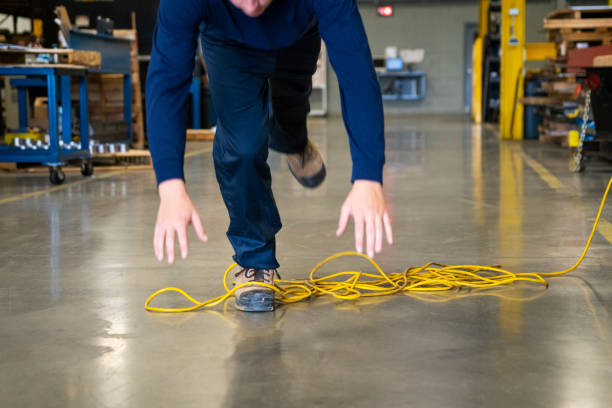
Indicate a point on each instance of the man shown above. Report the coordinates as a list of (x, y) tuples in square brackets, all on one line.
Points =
[(260, 57)]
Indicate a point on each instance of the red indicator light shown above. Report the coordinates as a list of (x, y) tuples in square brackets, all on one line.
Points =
[(385, 11)]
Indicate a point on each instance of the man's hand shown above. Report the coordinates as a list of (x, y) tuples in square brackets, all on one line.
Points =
[(175, 214), (366, 203)]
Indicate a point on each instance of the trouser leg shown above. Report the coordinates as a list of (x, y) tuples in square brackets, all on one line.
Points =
[(239, 88), (291, 85)]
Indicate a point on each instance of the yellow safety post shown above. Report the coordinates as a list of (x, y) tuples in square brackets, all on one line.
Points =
[(477, 60), (37, 27), (477, 57), (512, 65)]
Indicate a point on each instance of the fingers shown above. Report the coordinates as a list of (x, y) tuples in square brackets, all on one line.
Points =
[(358, 219), (378, 224), (388, 228), (181, 232), (170, 245), (158, 243), (345, 214), (198, 227), (370, 234)]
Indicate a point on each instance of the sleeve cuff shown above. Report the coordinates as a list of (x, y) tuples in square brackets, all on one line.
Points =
[(367, 170), (168, 169)]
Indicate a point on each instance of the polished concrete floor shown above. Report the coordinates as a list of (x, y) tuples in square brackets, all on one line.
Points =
[(77, 266)]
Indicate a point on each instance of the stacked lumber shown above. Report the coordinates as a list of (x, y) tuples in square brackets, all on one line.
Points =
[(579, 27), (557, 107), (104, 109), (105, 106), (138, 117), (574, 31)]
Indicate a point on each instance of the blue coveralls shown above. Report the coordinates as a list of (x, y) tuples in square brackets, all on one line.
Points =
[(260, 86), (262, 100)]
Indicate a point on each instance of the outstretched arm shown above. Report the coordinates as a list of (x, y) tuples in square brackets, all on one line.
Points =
[(168, 80), (347, 44)]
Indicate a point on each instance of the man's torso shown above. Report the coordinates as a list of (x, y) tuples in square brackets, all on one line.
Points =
[(281, 25)]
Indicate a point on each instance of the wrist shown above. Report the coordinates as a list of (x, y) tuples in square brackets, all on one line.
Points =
[(172, 188), (365, 182)]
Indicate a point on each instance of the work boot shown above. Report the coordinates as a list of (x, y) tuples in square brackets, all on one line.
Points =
[(307, 167), (255, 298)]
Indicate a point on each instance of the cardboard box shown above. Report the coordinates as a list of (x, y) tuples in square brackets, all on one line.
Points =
[(41, 108)]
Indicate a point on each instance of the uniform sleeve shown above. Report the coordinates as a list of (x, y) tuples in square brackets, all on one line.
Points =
[(349, 52), (168, 80)]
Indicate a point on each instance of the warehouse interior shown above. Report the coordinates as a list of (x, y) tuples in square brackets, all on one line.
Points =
[(498, 156)]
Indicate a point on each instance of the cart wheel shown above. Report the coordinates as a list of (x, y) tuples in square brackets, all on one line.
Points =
[(87, 168), (56, 175)]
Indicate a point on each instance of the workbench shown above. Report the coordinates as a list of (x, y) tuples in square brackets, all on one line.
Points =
[(402, 85), (57, 79)]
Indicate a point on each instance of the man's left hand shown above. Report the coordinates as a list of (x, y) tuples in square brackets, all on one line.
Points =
[(366, 204)]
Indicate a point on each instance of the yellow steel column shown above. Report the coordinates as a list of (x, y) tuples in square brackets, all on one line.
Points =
[(483, 18), (512, 63), (477, 60)]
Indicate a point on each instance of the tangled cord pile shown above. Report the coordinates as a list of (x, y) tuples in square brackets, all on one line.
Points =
[(351, 285)]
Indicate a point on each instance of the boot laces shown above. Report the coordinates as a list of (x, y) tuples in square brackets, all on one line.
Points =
[(258, 275)]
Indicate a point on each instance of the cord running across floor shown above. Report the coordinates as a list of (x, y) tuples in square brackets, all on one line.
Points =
[(351, 285)]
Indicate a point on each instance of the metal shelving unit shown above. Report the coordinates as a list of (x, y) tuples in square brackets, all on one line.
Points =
[(318, 97)]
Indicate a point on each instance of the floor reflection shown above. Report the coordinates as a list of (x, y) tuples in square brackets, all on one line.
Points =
[(405, 148), (258, 376), (511, 212)]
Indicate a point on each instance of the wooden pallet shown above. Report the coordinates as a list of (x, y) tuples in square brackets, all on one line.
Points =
[(557, 137), (131, 158), (200, 134), (579, 18)]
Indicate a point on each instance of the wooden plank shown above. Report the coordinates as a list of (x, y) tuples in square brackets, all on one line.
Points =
[(578, 12), (566, 87), (541, 100), (582, 36), (603, 61), (62, 66), (64, 18), (578, 23), (8, 166), (91, 59), (200, 134)]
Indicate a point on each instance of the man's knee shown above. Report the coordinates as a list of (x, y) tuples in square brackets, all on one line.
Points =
[(241, 145)]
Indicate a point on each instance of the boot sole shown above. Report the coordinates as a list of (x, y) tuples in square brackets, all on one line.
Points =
[(256, 301), (312, 181)]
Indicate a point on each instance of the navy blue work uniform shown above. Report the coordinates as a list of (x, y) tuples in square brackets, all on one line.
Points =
[(260, 72)]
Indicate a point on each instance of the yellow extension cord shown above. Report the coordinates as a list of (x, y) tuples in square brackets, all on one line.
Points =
[(351, 285)]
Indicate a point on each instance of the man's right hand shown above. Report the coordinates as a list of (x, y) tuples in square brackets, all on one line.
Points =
[(175, 214)]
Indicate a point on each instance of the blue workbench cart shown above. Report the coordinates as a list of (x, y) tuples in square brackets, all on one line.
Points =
[(57, 79)]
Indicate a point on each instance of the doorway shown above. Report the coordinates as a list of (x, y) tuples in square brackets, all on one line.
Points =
[(470, 32)]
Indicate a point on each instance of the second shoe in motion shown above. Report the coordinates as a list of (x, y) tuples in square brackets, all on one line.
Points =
[(307, 167)]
